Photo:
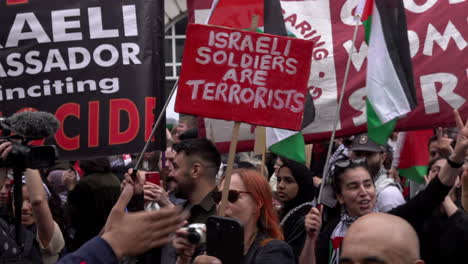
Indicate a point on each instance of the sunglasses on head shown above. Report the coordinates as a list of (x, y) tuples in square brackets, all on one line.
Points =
[(233, 196), (345, 163)]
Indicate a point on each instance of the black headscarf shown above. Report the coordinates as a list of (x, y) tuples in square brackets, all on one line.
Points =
[(304, 179)]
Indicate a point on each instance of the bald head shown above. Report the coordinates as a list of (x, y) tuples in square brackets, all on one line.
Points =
[(380, 238)]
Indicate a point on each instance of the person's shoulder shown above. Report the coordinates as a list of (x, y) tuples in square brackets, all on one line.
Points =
[(277, 244), (275, 251), (391, 192), (106, 179), (459, 219), (389, 198)]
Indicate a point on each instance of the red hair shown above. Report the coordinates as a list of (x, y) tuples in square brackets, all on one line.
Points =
[(260, 190)]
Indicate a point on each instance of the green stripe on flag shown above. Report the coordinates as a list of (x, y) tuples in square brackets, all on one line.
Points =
[(367, 26), (292, 148), (415, 173), (377, 131)]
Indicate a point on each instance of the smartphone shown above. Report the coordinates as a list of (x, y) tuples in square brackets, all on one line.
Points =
[(154, 177), (225, 239)]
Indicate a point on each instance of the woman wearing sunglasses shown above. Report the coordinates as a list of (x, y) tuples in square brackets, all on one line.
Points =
[(355, 191), (296, 191), (250, 202)]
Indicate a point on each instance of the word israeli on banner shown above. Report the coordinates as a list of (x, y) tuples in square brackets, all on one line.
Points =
[(86, 62), (438, 38), (244, 76)]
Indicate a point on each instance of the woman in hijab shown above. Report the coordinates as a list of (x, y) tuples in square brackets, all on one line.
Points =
[(296, 191)]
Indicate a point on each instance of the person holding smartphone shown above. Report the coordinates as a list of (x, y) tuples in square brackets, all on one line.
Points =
[(250, 202)]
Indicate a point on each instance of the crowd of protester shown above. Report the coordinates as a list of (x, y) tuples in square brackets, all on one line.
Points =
[(101, 211)]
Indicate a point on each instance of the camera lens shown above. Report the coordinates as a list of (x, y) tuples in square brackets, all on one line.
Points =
[(193, 236)]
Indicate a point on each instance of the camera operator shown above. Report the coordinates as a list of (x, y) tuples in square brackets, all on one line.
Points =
[(41, 236)]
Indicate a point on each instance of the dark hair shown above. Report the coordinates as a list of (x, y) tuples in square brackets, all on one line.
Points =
[(432, 139), (246, 165), (189, 134), (432, 162), (304, 179), (95, 165), (199, 148), (339, 170)]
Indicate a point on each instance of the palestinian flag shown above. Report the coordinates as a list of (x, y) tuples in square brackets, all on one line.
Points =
[(390, 86), (414, 154), (290, 144), (286, 143), (238, 14)]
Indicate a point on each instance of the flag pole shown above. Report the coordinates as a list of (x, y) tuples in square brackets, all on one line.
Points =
[(232, 149), (337, 114), (213, 7), (163, 112)]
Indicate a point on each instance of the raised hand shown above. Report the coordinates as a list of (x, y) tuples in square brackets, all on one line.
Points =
[(443, 144), (130, 234), (313, 222), (184, 249), (137, 184), (5, 149), (156, 193), (462, 138), (448, 174)]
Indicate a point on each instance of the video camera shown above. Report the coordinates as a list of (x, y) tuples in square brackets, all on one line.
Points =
[(20, 129)]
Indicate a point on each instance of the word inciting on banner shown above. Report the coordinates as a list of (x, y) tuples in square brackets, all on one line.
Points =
[(92, 65), (66, 26), (58, 87)]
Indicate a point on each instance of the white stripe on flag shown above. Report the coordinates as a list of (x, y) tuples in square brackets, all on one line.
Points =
[(384, 89), (275, 135)]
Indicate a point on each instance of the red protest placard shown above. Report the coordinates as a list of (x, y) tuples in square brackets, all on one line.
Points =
[(244, 76)]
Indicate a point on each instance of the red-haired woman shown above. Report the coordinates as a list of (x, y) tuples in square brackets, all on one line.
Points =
[(250, 202)]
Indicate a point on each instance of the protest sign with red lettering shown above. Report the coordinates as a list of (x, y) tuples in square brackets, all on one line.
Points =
[(244, 76), (93, 64), (438, 38)]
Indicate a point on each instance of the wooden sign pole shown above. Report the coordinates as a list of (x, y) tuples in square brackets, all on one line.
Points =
[(309, 148), (227, 178), (260, 145), (232, 149)]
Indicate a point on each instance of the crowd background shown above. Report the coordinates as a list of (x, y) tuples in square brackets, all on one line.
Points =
[(75, 209)]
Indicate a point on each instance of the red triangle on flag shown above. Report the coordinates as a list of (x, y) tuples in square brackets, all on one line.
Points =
[(227, 13), (16, 2)]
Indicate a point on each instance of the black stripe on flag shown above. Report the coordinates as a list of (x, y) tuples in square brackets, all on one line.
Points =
[(393, 19)]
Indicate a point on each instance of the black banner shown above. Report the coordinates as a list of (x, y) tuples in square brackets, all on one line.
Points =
[(96, 65)]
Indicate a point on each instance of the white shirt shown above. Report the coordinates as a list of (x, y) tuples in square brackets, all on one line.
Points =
[(389, 198), (389, 195)]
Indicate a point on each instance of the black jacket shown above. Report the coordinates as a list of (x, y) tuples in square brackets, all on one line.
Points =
[(445, 239), (274, 252), (294, 230), (89, 204)]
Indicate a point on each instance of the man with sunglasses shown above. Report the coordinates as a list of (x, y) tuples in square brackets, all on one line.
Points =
[(389, 193)]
